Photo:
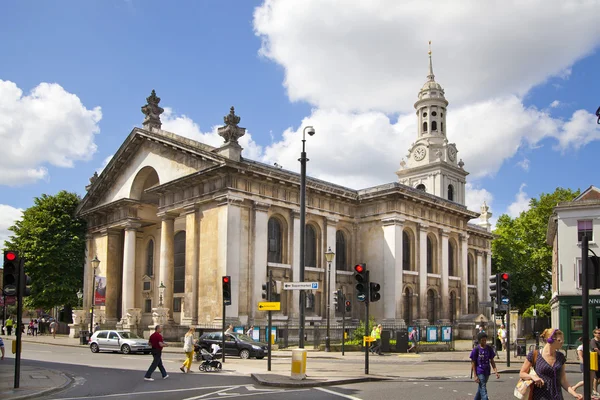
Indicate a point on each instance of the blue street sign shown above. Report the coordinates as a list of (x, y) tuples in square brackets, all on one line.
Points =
[(505, 300), (361, 297), (315, 285)]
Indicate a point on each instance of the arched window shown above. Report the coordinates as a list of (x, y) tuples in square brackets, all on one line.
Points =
[(470, 270), (150, 258), (472, 305), (420, 186), (434, 125), (407, 306), (406, 245), (442, 124), (310, 246), (179, 263), (341, 262), (275, 241), (451, 265), (450, 192), (431, 308), (425, 126), (452, 307), (429, 256)]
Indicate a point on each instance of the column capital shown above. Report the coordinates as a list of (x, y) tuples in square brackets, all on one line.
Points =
[(132, 225), (393, 221), (331, 220), (166, 215), (190, 209), (261, 207), (464, 237), (228, 199), (422, 226), (479, 252), (295, 214), (445, 233)]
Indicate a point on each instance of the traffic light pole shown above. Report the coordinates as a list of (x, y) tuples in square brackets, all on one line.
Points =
[(585, 315), (367, 345), (20, 289), (223, 338), (343, 296), (269, 321), (303, 161), (507, 328)]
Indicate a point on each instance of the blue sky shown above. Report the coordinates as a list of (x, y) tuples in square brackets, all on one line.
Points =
[(521, 80)]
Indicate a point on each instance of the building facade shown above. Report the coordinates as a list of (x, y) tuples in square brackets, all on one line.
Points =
[(169, 211), (570, 222)]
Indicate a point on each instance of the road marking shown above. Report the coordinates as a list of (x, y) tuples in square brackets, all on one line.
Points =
[(346, 396), (148, 392)]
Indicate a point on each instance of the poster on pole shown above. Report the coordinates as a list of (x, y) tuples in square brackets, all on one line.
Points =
[(432, 334), (100, 292), (446, 333)]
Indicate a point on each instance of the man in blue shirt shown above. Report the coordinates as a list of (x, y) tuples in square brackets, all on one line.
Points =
[(481, 358)]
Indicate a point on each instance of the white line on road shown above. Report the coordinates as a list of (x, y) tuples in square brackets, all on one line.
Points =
[(149, 392), (346, 396)]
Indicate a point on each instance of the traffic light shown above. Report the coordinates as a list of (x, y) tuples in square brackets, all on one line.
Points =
[(374, 292), (593, 273), (266, 291), (348, 306), (362, 284), (336, 300), (504, 289), (12, 268), (227, 290), (26, 289), (494, 288)]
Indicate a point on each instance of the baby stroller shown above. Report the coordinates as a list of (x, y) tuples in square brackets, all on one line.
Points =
[(210, 361)]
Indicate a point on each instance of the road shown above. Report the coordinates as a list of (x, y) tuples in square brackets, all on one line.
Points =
[(118, 376)]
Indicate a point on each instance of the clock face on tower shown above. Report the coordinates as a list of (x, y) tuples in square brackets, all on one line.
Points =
[(419, 153), (451, 153)]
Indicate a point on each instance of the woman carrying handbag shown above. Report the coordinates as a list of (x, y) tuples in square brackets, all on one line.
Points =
[(188, 349), (549, 378)]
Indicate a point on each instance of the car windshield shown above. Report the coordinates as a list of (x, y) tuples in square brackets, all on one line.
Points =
[(129, 335), (245, 338)]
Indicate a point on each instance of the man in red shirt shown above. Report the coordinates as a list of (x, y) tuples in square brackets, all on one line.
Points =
[(157, 343)]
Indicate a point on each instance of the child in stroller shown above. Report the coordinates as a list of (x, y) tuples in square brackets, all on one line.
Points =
[(209, 360)]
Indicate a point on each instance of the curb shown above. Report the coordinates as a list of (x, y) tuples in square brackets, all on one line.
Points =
[(45, 392), (331, 382)]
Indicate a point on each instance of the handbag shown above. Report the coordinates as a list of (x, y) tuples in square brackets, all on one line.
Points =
[(524, 388)]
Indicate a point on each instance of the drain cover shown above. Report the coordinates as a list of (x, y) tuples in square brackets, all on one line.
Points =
[(38, 376)]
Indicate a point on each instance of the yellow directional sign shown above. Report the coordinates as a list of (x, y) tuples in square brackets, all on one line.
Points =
[(269, 306)]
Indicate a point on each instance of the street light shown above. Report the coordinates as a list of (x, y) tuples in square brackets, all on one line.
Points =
[(329, 255), (303, 160), (95, 263), (537, 337), (79, 297), (161, 292)]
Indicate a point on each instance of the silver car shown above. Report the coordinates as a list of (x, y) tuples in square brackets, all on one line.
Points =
[(125, 342)]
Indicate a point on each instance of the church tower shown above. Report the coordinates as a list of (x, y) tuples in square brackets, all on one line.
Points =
[(432, 164)]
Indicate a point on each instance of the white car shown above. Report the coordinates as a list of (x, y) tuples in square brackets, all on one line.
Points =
[(125, 342)]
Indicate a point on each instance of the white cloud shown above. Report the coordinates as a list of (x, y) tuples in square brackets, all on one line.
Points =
[(8, 216), (358, 55), (475, 196), (104, 164), (524, 163), (47, 126), (555, 104), (520, 204)]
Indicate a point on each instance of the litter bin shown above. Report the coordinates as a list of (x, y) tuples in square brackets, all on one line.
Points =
[(401, 341), (385, 341), (521, 347), (298, 364), (83, 337)]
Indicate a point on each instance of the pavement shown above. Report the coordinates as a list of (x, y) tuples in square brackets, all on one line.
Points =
[(323, 368)]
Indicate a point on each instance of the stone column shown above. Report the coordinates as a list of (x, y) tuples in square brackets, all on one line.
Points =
[(230, 241), (88, 277), (296, 264), (464, 259), (167, 261), (114, 263), (128, 300), (261, 250), (422, 272), (488, 271), (331, 229), (190, 305), (445, 273), (392, 268), (480, 276)]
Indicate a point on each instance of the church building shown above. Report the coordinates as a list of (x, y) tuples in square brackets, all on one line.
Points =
[(169, 216)]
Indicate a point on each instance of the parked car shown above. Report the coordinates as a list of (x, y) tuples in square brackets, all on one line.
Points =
[(125, 342), (236, 344)]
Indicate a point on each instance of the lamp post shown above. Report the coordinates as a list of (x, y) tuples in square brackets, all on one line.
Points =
[(329, 255), (161, 293), (535, 311), (79, 297), (303, 160), (95, 263)]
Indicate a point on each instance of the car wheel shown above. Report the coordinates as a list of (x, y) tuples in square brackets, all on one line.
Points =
[(94, 348), (245, 354), (125, 349)]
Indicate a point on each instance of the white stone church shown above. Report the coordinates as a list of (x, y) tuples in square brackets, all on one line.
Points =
[(169, 210)]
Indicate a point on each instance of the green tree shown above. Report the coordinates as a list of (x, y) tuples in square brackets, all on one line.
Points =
[(52, 241), (543, 310), (520, 248)]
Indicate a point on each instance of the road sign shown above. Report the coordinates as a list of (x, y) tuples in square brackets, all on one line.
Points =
[(505, 300), (361, 297), (10, 290), (269, 306), (486, 304), (300, 285)]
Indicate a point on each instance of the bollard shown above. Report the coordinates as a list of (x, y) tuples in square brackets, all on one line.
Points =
[(298, 364)]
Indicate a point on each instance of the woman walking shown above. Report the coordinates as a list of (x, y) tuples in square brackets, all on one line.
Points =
[(549, 366), (188, 348)]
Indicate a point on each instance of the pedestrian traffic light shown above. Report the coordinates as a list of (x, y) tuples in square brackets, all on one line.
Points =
[(362, 282), (266, 291), (504, 290), (374, 288), (336, 300), (227, 290), (494, 288), (12, 265), (348, 306)]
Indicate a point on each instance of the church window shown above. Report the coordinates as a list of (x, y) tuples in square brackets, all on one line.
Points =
[(406, 251), (177, 304), (433, 113), (148, 305), (431, 308), (341, 262), (470, 271), (450, 192), (425, 126), (275, 241), (429, 256), (407, 305), (310, 247), (441, 114), (442, 126), (452, 306), (179, 263), (424, 114), (434, 125), (422, 187), (451, 264), (150, 258)]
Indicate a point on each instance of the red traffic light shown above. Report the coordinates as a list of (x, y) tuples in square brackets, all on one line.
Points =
[(11, 255), (359, 268), (505, 276), (347, 303), (225, 279)]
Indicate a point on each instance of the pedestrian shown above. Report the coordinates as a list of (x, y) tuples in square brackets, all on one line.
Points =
[(35, 327), (30, 328), (9, 325), (549, 367), (250, 331), (157, 343), (229, 329), (53, 328), (376, 334), (595, 346), (481, 358), (412, 338), (1, 349), (500, 338), (580, 358), (188, 349), (96, 327)]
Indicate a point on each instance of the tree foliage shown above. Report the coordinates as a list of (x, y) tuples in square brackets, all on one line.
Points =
[(520, 249), (543, 310), (52, 241)]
